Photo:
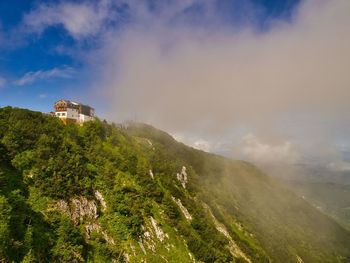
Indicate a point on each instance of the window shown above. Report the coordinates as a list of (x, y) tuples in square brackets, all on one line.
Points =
[(63, 114), (58, 114)]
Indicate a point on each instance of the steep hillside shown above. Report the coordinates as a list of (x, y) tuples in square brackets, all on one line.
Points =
[(331, 198), (242, 197), (102, 193)]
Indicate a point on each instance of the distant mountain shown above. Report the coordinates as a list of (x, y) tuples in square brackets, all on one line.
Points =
[(131, 193)]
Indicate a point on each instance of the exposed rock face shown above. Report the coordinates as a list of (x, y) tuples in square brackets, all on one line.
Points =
[(233, 247), (299, 259), (151, 174), (191, 257), (182, 177), (126, 257), (63, 207), (157, 230), (83, 209), (151, 144), (142, 247), (108, 239), (147, 240), (90, 228), (151, 233), (80, 210), (102, 201), (183, 209)]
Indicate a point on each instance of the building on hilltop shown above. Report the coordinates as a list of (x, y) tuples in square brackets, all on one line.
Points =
[(73, 112)]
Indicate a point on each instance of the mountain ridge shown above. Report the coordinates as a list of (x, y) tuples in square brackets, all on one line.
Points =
[(103, 193)]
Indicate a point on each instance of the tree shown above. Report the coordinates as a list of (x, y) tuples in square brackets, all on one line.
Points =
[(5, 216), (70, 243)]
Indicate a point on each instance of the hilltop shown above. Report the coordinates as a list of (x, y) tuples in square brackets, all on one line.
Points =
[(106, 193)]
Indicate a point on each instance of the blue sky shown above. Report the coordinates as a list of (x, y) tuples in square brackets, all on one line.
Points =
[(39, 66)]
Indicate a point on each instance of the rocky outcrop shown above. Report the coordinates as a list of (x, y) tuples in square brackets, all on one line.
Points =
[(192, 257), (151, 174), (62, 206), (182, 208), (157, 230), (182, 177), (89, 228), (102, 201), (233, 247), (147, 240), (108, 239), (81, 210), (152, 232), (142, 247), (299, 259), (126, 257)]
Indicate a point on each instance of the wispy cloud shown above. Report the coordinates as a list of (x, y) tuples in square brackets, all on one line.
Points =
[(339, 166), (254, 149), (2, 82), (33, 76), (238, 75), (80, 19), (42, 96)]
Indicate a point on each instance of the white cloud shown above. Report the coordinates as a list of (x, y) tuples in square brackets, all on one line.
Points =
[(194, 141), (202, 145), (81, 20), (32, 76), (339, 166), (254, 149), (223, 77)]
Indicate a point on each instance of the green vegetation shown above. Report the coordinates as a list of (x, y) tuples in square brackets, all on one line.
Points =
[(86, 194), (261, 215)]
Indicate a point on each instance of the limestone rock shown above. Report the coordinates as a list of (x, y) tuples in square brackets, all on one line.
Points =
[(182, 177)]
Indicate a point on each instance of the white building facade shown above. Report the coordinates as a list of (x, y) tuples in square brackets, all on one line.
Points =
[(73, 112)]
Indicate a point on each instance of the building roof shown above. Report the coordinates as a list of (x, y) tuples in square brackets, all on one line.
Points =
[(74, 103)]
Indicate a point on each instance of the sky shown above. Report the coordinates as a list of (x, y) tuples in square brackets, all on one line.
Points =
[(262, 80)]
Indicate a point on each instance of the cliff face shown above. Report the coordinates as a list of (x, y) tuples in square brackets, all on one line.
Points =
[(98, 193)]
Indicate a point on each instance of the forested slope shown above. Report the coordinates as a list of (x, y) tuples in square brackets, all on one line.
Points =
[(102, 193)]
